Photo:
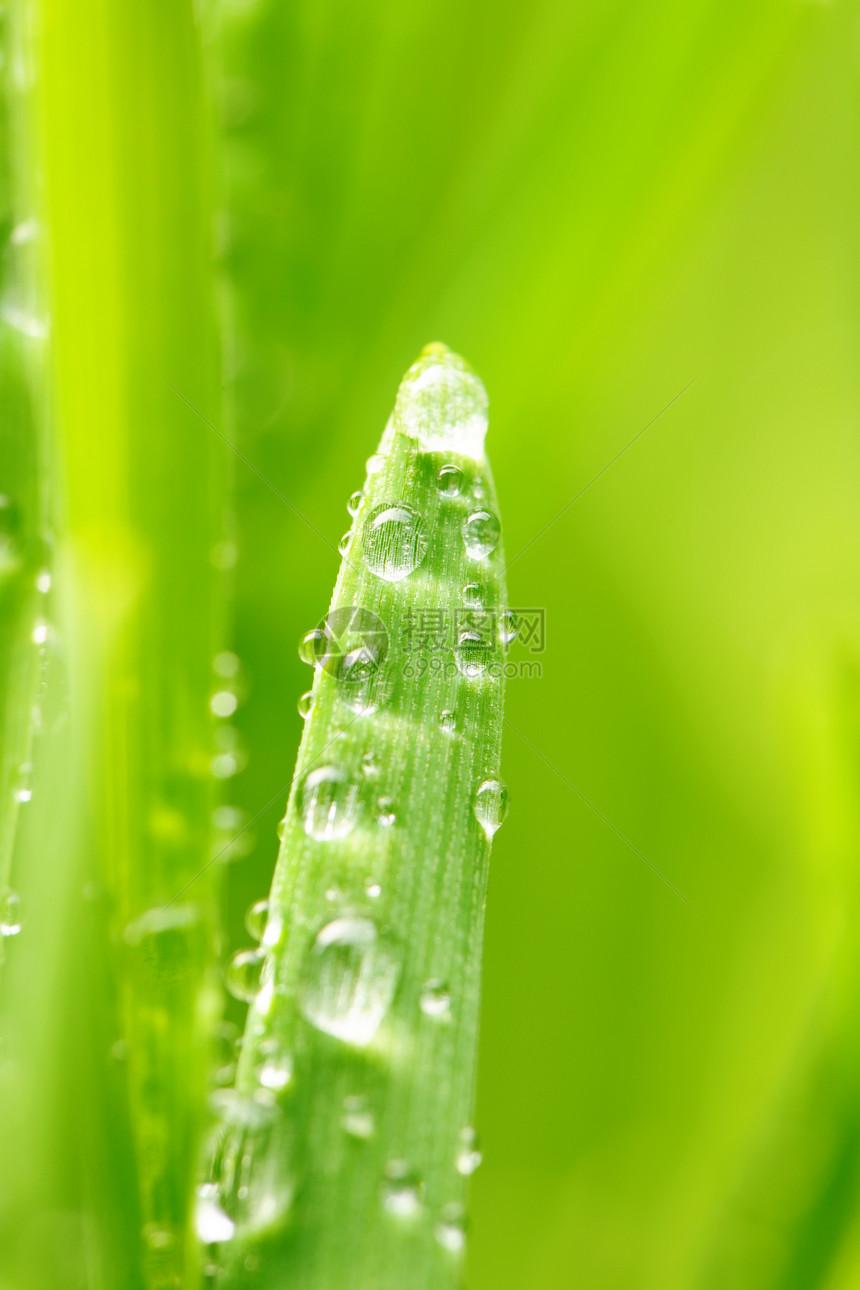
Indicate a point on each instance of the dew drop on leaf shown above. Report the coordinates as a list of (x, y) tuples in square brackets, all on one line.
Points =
[(329, 803), (357, 1118), (351, 974), (468, 1153), (394, 540), (450, 1231), (508, 626), (435, 998), (354, 503), (402, 1189), (243, 974), (449, 481), (255, 919), (473, 653), (448, 720), (492, 803), (10, 913), (481, 533), (306, 704)]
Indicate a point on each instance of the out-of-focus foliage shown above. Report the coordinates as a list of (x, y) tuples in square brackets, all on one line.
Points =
[(598, 204)]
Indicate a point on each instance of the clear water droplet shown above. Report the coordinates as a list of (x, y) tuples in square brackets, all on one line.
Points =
[(443, 404), (40, 632), (10, 913), (448, 720), (213, 1225), (508, 627), (492, 803), (225, 1045), (374, 464), (369, 766), (43, 582), (343, 544), (255, 1186), (274, 930), (450, 1231), (256, 916), (449, 481), (481, 533), (275, 1070), (468, 1153), (351, 975), (223, 703), (373, 890), (244, 973), (306, 704), (385, 812), (473, 596), (394, 540), (354, 503), (473, 653), (313, 647), (329, 803), (402, 1189), (357, 1119), (435, 998), (281, 829), (226, 664)]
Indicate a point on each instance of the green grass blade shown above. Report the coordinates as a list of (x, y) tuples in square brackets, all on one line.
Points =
[(343, 1155)]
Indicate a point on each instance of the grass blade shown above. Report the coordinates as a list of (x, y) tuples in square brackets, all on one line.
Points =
[(343, 1153)]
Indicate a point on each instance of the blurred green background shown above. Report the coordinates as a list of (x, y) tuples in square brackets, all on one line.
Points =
[(597, 205)]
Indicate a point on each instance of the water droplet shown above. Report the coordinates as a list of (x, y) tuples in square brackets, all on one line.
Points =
[(225, 1043), (224, 765), (449, 481), (281, 829), (357, 1118), (481, 533), (329, 803), (313, 647), (244, 974), (211, 1222), (473, 596), (350, 979), (385, 812), (473, 653), (508, 627), (23, 791), (274, 930), (492, 803), (373, 890), (450, 1231), (223, 703), (40, 632), (306, 704), (468, 1154), (255, 1187), (226, 664), (255, 919), (43, 582), (369, 766), (443, 404), (374, 464), (156, 1237), (275, 1070), (354, 503), (394, 540), (448, 720), (402, 1189), (343, 544), (10, 913), (435, 998)]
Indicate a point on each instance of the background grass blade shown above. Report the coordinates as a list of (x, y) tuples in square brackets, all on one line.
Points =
[(113, 1062), (343, 1156)]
